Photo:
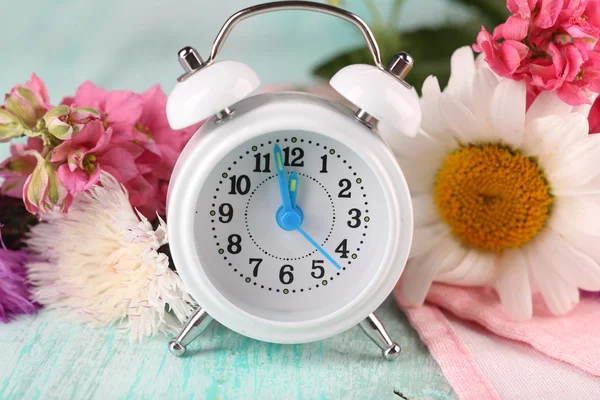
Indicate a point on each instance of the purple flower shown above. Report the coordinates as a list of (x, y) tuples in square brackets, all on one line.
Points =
[(15, 297)]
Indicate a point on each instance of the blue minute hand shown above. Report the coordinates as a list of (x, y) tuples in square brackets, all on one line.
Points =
[(318, 247), (283, 185)]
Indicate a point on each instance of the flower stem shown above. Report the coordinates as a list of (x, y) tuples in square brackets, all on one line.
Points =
[(374, 12), (395, 13)]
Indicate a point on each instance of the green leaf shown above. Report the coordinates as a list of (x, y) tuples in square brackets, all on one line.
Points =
[(494, 11), (430, 47)]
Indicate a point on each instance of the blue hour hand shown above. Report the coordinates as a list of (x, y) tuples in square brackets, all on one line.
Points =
[(283, 185), (294, 190), (288, 217)]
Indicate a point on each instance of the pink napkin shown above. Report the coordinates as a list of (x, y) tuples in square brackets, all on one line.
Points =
[(572, 338), (453, 356)]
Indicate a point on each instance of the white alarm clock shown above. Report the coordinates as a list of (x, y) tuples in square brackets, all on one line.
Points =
[(289, 219)]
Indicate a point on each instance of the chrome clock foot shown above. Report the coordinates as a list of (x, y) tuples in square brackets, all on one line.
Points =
[(374, 329), (198, 322)]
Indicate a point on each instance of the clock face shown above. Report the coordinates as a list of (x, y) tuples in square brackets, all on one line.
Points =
[(300, 274)]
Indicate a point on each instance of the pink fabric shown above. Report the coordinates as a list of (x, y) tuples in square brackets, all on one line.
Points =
[(459, 367), (572, 338), (569, 338)]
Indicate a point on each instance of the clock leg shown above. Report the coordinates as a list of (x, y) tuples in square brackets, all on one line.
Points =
[(374, 329), (197, 324)]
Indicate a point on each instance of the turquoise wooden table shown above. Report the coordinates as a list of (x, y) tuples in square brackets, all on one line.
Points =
[(43, 358)]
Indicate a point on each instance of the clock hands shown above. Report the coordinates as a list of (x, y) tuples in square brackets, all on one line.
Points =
[(294, 196), (294, 189), (318, 247), (289, 216), (283, 186)]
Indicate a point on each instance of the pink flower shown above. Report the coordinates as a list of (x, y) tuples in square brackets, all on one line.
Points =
[(162, 145), (29, 102), (594, 118), (11, 126), (522, 8), (63, 122), (581, 73), (504, 58), (551, 44), (547, 13), (119, 109), (43, 191), (88, 153), (18, 167)]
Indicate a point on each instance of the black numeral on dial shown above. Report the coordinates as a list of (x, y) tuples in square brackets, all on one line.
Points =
[(258, 261), (285, 274), (259, 162), (235, 244), (298, 155), (345, 193), (317, 270), (226, 213), (343, 249), (354, 218), (239, 185), (324, 164)]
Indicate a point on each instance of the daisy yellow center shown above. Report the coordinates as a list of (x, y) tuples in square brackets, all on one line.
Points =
[(492, 198)]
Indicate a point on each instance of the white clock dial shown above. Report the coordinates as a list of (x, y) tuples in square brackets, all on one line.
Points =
[(277, 274)]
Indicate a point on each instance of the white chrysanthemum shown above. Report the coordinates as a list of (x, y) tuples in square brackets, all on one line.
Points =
[(103, 266), (502, 197)]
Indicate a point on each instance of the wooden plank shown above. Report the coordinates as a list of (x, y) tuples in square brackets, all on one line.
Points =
[(41, 357)]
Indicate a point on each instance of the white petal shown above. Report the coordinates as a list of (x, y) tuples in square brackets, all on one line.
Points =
[(508, 112), (513, 285), (547, 103), (559, 295), (420, 158), (429, 105), (400, 143), (476, 269), (480, 62), (553, 133), (581, 212), (462, 70), (431, 88), (584, 109), (484, 85), (461, 121), (570, 264), (420, 174), (425, 238), (424, 210), (421, 271), (563, 225), (575, 165), (569, 189), (404, 146), (431, 122)]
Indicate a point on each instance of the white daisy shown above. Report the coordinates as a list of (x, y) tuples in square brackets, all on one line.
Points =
[(103, 265), (502, 197)]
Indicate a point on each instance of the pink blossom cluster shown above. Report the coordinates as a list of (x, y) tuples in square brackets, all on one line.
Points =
[(121, 132), (551, 44)]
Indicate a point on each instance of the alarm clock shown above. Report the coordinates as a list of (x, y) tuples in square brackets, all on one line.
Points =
[(289, 219)]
